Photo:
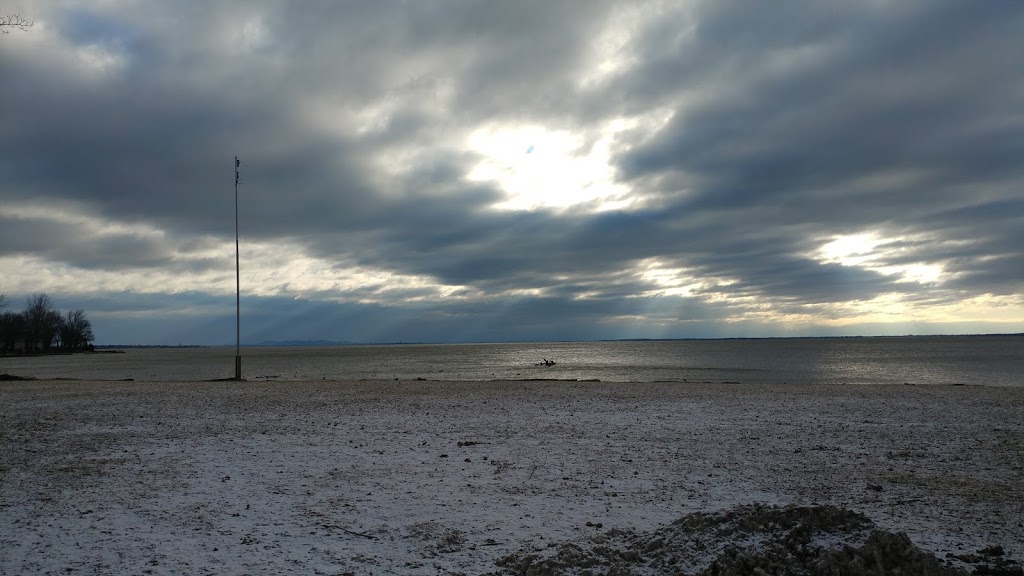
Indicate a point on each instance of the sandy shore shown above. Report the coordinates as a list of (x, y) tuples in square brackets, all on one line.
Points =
[(429, 477)]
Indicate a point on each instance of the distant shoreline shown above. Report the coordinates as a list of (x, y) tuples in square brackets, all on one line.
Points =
[(877, 336), (138, 346), (96, 350)]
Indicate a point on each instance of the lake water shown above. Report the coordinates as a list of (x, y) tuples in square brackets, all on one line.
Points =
[(986, 360)]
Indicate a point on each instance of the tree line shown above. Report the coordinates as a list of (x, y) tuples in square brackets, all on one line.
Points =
[(42, 328)]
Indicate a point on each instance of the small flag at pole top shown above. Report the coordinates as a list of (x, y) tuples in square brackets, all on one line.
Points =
[(237, 164)]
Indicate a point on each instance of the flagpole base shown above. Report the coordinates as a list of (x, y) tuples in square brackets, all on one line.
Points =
[(238, 367)]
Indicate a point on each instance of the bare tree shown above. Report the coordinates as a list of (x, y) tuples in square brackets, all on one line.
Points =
[(9, 21), (40, 320), (76, 334), (41, 326), (12, 330), (52, 326)]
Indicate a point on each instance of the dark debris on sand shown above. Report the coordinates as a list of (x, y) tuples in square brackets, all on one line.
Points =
[(755, 539), (14, 378)]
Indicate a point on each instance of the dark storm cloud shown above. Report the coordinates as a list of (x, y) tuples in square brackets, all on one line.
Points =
[(788, 125), (153, 141), (927, 91), (85, 247)]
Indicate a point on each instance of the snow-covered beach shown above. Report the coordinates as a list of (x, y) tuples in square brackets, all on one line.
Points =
[(426, 477)]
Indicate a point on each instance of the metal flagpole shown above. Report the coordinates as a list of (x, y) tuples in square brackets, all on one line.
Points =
[(238, 289)]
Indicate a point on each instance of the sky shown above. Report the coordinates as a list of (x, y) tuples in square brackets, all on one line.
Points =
[(449, 171)]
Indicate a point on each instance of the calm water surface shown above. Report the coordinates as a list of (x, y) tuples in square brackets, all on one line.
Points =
[(988, 360)]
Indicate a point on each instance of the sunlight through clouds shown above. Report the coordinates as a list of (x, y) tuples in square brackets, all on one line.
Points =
[(897, 308), (294, 275), (669, 281), (153, 262), (851, 250), (868, 251), (543, 168), (681, 165)]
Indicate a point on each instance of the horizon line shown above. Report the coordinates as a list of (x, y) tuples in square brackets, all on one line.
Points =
[(319, 342)]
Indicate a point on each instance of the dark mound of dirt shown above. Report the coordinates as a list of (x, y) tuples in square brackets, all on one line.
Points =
[(756, 539)]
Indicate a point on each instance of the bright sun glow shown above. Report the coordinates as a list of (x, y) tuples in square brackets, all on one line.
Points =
[(851, 250), (863, 251), (539, 168)]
